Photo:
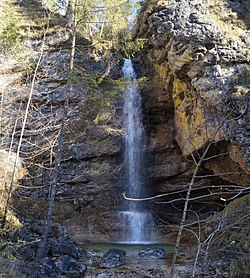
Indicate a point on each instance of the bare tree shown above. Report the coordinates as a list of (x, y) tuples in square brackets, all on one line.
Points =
[(191, 184), (235, 192), (42, 249)]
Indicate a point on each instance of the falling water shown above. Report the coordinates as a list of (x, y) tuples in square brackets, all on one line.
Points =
[(134, 141)]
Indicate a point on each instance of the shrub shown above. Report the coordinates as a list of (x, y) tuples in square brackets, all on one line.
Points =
[(10, 35)]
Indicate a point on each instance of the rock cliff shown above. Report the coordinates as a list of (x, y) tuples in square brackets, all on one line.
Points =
[(199, 54), (197, 63), (89, 185)]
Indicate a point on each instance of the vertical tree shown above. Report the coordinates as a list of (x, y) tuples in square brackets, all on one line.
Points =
[(42, 250)]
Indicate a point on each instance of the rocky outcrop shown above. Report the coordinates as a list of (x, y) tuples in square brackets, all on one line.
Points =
[(10, 163), (199, 52)]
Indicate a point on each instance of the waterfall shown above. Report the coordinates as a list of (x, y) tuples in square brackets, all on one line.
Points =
[(134, 141)]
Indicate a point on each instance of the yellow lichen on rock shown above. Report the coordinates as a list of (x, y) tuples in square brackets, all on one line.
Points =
[(193, 130), (161, 70)]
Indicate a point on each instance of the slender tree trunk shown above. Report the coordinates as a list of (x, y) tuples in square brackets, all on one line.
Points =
[(42, 250)]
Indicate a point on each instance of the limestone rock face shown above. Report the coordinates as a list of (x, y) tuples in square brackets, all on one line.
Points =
[(200, 52)]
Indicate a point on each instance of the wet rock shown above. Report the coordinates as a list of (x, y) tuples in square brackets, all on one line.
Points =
[(22, 233), (115, 274), (42, 271), (152, 253), (113, 258), (63, 263), (25, 270), (157, 273), (29, 252), (57, 267)]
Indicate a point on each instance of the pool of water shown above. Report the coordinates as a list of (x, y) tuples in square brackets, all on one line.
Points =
[(131, 249), (143, 267)]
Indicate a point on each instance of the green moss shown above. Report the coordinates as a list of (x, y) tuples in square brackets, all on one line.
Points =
[(100, 118), (179, 90), (100, 168)]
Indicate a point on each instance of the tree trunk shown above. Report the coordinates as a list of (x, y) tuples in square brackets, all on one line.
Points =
[(42, 250)]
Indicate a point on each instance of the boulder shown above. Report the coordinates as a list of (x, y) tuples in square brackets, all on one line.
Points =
[(63, 245), (152, 253), (113, 258), (67, 264)]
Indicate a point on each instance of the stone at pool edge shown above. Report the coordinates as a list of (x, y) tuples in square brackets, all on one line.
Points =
[(113, 258), (152, 253)]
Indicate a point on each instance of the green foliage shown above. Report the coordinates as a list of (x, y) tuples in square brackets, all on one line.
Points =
[(104, 99), (128, 46), (103, 19), (105, 24), (51, 5), (101, 118), (95, 85), (10, 35), (89, 82)]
